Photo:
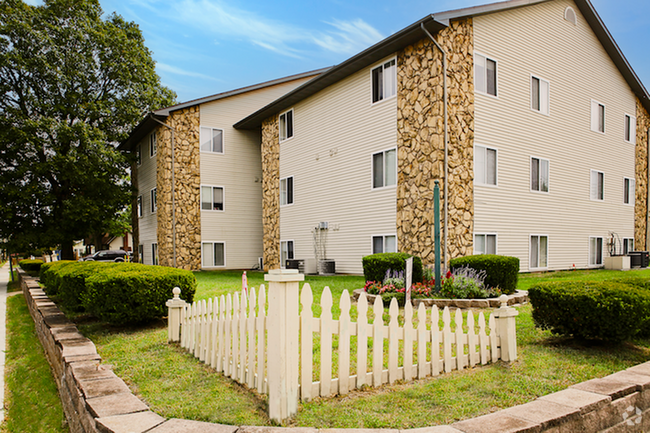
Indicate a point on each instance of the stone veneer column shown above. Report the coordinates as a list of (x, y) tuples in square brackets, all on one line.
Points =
[(641, 202), (135, 219), (420, 141), (271, 192), (187, 157)]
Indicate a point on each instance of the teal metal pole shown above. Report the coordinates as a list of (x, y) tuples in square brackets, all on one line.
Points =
[(436, 227)]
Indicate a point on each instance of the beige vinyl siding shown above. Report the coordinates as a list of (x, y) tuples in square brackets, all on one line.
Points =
[(239, 171), (336, 132), (146, 182), (538, 41)]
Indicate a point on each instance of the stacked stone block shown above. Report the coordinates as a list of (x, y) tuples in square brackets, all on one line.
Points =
[(271, 192), (641, 202)]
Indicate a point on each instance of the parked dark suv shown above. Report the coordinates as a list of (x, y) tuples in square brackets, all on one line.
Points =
[(107, 256)]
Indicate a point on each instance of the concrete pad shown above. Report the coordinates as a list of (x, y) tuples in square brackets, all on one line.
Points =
[(115, 404), (543, 412), (132, 423), (101, 387), (433, 429), (497, 422), (260, 429), (583, 400), (180, 425), (607, 386)]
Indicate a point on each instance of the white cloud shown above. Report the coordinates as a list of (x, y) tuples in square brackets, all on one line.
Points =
[(351, 37), (178, 71)]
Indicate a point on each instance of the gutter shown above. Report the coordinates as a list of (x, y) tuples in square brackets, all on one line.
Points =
[(446, 171)]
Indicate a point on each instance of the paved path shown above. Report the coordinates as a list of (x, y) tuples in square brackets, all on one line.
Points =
[(4, 279)]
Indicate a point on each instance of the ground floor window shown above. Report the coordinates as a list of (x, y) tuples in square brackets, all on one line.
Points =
[(628, 245), (154, 254), (538, 251), (286, 252), (384, 244), (485, 243), (214, 254), (595, 251), (140, 253)]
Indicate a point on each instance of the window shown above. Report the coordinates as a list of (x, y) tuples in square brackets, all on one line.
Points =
[(286, 125), (286, 191), (597, 185), (154, 254), (628, 245), (538, 174), (211, 140), (595, 251), (384, 81), (485, 243), (211, 198), (485, 78), (384, 244), (214, 254), (154, 204), (485, 165), (597, 117), (538, 251), (286, 252), (140, 253), (139, 206), (628, 190), (540, 95), (138, 154), (153, 144), (630, 129), (384, 168)]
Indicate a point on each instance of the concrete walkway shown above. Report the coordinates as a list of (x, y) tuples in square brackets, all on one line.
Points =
[(4, 279)]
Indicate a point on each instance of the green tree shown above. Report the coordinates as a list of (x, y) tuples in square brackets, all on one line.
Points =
[(72, 86)]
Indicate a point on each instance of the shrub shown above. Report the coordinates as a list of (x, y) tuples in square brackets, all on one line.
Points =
[(30, 265), (49, 275), (502, 271), (375, 266), (71, 282), (134, 293), (464, 283), (604, 310)]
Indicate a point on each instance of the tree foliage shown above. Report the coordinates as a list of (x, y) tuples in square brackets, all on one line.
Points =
[(72, 86)]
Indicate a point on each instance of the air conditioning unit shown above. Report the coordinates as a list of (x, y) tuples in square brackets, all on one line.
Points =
[(310, 267)]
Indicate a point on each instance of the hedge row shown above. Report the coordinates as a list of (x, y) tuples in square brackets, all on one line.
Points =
[(117, 293), (31, 265), (613, 310), (501, 271), (375, 266)]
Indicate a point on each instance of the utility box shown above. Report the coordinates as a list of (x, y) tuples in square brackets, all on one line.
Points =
[(639, 259)]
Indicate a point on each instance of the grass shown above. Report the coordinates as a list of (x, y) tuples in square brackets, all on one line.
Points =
[(175, 384), (31, 399)]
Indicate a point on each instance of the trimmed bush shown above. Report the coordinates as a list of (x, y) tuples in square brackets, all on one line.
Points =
[(502, 271), (49, 275), (31, 265), (134, 293), (376, 265), (603, 310), (71, 282)]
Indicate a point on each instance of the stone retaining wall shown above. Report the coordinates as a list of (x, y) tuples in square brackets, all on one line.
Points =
[(519, 297), (96, 400)]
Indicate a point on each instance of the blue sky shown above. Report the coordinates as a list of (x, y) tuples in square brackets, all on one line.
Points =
[(203, 47)]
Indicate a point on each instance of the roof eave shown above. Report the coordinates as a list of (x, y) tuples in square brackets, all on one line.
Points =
[(145, 126)]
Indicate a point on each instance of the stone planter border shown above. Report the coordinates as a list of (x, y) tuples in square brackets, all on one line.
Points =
[(519, 297)]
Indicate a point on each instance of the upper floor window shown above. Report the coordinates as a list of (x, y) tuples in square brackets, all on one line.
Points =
[(539, 174), (485, 165), (597, 185), (153, 144), (138, 154), (485, 243), (286, 191), (211, 140), (286, 125), (597, 117), (630, 129), (384, 168), (485, 74), (384, 244), (628, 190), (154, 204), (384, 81), (211, 198), (139, 207), (540, 91)]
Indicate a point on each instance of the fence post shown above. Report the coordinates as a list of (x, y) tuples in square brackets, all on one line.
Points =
[(506, 329), (283, 349), (174, 309)]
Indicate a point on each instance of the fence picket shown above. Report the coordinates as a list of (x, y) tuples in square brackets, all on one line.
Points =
[(261, 340), (362, 339), (471, 340), (408, 341), (221, 351), (184, 320), (215, 333), (435, 341), (393, 341), (250, 334), (193, 328), (446, 339), (326, 326), (494, 354), (208, 333), (422, 341), (243, 320), (460, 340), (482, 338), (227, 343), (378, 342), (306, 343), (344, 343)]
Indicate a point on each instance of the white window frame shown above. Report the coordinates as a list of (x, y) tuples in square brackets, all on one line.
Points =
[(386, 170), (629, 191), (629, 129), (543, 95), (138, 154), (593, 190), (384, 243), (388, 71), (287, 199), (602, 249), (141, 253), (626, 245), (595, 117), (480, 80), (212, 245), (209, 129), (153, 194), (530, 249), (153, 144), (154, 254), (139, 206), (540, 175), (485, 235), (483, 181), (285, 126), (223, 198), (284, 250)]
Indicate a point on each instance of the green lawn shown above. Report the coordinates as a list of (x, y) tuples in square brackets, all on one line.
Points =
[(175, 384)]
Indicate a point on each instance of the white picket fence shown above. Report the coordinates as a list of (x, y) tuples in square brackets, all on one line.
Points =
[(230, 334)]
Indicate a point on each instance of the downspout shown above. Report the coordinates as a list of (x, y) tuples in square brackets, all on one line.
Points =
[(446, 170), (173, 195)]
